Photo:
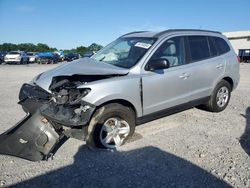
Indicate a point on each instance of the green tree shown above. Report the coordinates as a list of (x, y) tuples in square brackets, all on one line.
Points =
[(81, 49), (26, 47), (40, 47), (95, 47), (8, 47)]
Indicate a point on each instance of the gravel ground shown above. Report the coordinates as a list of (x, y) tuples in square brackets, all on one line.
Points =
[(193, 148)]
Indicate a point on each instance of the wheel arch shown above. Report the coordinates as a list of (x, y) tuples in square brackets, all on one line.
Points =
[(119, 101), (94, 124), (230, 81)]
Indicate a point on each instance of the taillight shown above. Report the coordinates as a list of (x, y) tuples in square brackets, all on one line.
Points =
[(238, 59)]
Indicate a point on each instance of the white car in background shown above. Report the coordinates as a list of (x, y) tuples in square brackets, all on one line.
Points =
[(16, 57), (32, 57)]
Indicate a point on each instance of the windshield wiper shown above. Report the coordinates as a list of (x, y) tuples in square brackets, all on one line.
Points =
[(102, 58)]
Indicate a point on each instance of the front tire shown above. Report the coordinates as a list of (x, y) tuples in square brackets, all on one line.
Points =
[(111, 126), (220, 97)]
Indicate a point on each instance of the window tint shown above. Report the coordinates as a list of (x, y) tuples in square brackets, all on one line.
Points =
[(213, 51), (172, 50), (221, 45), (198, 48)]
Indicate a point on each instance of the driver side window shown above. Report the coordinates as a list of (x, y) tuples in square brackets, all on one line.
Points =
[(171, 50)]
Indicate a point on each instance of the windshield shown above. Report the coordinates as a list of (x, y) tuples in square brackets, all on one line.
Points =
[(124, 52)]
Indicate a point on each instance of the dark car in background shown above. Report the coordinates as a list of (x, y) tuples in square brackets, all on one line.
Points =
[(48, 58), (244, 55), (88, 54), (71, 56), (2, 54)]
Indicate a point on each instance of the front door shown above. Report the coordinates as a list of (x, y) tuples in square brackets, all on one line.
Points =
[(166, 88)]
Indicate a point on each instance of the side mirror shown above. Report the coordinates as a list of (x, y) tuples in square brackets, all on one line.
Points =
[(157, 64)]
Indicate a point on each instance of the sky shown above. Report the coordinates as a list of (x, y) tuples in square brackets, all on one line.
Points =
[(72, 23)]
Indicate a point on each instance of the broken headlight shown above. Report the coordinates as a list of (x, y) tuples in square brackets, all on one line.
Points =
[(70, 96)]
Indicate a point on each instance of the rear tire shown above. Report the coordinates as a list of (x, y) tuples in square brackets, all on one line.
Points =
[(111, 126), (220, 97)]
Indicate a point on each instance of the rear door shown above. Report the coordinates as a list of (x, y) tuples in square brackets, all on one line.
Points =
[(207, 65)]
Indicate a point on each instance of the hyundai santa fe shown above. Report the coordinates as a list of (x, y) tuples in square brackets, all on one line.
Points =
[(139, 77)]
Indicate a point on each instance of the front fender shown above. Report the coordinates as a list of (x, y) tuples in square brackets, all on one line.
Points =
[(120, 88)]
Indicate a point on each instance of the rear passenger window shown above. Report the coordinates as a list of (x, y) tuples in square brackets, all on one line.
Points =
[(221, 45), (199, 49)]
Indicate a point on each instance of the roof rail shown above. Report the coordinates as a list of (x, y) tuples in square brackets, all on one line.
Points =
[(180, 30), (132, 33)]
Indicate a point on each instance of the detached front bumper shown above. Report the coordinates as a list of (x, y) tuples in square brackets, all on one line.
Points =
[(33, 138), (38, 135)]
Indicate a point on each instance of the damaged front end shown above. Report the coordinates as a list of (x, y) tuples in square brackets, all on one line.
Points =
[(66, 106), (51, 118)]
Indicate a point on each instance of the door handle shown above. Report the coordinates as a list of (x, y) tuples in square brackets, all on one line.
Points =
[(219, 66), (184, 76)]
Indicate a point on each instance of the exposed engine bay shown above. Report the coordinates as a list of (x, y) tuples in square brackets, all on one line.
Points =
[(51, 117), (66, 105)]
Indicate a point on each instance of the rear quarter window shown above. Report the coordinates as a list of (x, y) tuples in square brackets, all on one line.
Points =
[(221, 45), (212, 46)]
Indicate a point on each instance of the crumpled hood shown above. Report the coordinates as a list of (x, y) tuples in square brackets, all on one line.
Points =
[(84, 66)]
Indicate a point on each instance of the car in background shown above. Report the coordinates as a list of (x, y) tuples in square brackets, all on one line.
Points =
[(16, 57), (244, 55), (2, 54), (88, 54), (60, 54), (71, 56), (32, 57), (48, 58)]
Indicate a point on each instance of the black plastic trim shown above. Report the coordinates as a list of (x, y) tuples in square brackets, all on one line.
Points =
[(141, 93), (171, 110), (47, 111), (31, 139)]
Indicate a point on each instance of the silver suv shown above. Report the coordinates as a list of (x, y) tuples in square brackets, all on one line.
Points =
[(139, 77)]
